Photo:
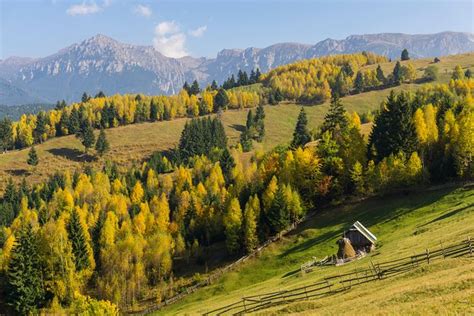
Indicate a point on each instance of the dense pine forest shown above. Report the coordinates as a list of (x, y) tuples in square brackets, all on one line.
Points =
[(97, 241)]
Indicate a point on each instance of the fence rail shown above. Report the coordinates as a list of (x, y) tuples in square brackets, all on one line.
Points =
[(342, 282)]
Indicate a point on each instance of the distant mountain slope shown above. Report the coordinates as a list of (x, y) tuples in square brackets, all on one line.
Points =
[(101, 63)]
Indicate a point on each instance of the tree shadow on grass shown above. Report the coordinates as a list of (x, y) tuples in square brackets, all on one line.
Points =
[(72, 154), (238, 127), (17, 172), (373, 211)]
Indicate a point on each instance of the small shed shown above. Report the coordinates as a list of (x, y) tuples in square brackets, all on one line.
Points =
[(362, 240)]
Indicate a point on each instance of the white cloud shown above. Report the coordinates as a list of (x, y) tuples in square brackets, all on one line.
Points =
[(83, 9), (142, 10), (169, 40), (199, 31)]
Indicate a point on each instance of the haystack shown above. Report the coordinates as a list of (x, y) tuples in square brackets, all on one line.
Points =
[(345, 249)]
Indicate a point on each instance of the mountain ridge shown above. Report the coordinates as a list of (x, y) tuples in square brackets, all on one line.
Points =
[(103, 63)]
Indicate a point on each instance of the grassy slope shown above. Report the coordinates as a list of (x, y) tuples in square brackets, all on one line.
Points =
[(134, 143), (404, 225)]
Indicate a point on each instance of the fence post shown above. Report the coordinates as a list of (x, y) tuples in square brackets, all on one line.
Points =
[(442, 247), (428, 255), (305, 292), (245, 306)]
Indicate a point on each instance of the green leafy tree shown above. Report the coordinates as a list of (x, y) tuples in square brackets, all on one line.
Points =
[(301, 134), (102, 144), (25, 289), (431, 73), (77, 237), (32, 157)]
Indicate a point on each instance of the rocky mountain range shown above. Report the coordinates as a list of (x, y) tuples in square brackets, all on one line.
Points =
[(102, 63)]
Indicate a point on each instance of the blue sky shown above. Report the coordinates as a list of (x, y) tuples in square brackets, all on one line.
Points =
[(37, 28)]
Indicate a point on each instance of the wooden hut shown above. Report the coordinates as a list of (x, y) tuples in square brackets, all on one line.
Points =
[(362, 240)]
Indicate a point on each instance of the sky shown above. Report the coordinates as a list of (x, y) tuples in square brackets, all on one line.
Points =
[(38, 28)]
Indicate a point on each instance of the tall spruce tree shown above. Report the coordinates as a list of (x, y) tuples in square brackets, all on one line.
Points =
[(359, 82), (278, 215), (214, 85), (221, 100), (25, 289), (227, 163), (260, 122), (397, 74), (301, 134), (195, 89), (394, 130), (380, 75), (246, 140), (32, 157), (102, 144), (86, 135), (40, 129), (405, 55), (336, 117), (77, 237), (6, 134)]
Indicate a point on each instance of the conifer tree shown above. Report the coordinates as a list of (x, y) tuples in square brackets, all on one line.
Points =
[(468, 74), (78, 241), (301, 134), (250, 224), (260, 122), (233, 226), (394, 129), (40, 129), (397, 74), (380, 75), (195, 89), (186, 87), (279, 215), (335, 118), (86, 135), (359, 82), (6, 134), (102, 144), (227, 163), (32, 157), (405, 55), (221, 100), (214, 85), (246, 140), (250, 120), (85, 97), (25, 289)]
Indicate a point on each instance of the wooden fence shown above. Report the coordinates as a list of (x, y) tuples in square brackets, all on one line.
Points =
[(215, 274), (343, 282)]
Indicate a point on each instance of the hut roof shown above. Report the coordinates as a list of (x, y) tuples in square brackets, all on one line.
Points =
[(364, 231)]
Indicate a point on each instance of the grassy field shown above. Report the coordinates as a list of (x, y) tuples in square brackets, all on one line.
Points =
[(404, 225), (134, 143)]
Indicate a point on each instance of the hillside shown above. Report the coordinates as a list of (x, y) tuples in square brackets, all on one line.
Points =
[(133, 143), (404, 225), (102, 63)]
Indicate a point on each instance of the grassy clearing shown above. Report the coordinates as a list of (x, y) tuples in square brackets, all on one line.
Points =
[(404, 225), (134, 143)]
